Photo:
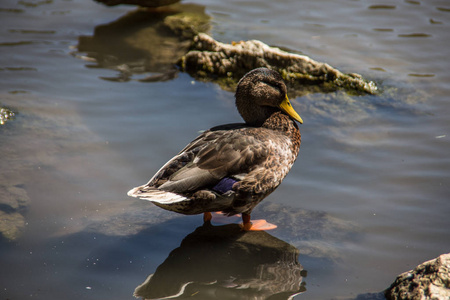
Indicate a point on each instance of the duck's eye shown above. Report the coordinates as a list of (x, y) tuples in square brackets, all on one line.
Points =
[(268, 90), (273, 85)]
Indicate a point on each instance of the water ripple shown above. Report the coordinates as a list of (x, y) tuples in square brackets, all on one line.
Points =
[(11, 10), (414, 35), (382, 7), (31, 31)]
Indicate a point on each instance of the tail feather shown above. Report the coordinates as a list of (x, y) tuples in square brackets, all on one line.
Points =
[(155, 195)]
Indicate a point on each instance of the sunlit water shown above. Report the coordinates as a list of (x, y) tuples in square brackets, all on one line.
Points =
[(367, 199)]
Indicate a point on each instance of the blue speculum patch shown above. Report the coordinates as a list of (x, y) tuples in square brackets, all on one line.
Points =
[(224, 185)]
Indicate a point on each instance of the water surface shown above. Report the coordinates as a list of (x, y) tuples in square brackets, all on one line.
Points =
[(367, 199)]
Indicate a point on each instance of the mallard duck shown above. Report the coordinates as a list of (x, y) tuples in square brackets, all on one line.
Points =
[(231, 168)]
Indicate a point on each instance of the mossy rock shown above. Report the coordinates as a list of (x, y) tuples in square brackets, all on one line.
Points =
[(225, 64)]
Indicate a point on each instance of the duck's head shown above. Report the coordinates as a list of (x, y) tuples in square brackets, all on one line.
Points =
[(260, 93)]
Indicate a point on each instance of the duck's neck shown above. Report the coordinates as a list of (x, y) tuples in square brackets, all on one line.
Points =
[(256, 117), (281, 122)]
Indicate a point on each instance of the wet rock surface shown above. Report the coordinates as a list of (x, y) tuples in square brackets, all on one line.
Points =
[(429, 280)]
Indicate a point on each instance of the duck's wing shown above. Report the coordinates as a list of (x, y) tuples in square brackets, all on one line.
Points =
[(208, 159)]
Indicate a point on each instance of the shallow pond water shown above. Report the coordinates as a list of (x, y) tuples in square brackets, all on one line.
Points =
[(367, 199)]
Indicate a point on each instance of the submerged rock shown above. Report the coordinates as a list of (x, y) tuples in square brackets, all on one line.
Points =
[(12, 225), (429, 280), (13, 198), (13, 202), (229, 62), (36, 154), (316, 234)]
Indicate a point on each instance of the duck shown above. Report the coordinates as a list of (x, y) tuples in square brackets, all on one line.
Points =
[(231, 168)]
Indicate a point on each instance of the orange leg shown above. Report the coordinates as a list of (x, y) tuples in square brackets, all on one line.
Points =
[(246, 224), (207, 217)]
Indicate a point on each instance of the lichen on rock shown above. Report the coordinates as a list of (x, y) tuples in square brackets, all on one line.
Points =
[(229, 62)]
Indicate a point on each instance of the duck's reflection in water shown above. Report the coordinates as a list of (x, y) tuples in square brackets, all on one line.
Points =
[(223, 262)]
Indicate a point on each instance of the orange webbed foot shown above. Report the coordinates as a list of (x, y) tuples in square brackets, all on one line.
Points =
[(256, 225)]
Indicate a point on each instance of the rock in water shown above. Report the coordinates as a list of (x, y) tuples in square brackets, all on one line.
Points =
[(428, 281), (210, 58)]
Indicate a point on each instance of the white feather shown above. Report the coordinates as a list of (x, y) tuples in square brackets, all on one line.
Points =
[(155, 195)]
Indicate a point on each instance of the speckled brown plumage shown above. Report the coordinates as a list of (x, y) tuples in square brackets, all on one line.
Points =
[(231, 168)]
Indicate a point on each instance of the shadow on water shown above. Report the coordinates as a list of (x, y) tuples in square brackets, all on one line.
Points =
[(227, 263), (146, 40)]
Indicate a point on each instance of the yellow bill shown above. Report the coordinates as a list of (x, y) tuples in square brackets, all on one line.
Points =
[(287, 108)]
